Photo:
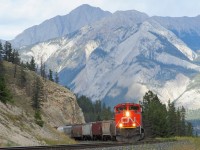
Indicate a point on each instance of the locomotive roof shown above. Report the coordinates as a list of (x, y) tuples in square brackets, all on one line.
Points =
[(122, 104)]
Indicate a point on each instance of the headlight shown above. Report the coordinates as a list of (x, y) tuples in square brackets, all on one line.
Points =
[(127, 114), (134, 124), (120, 125)]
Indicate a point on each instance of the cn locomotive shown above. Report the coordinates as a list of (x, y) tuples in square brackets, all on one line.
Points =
[(126, 126), (128, 120)]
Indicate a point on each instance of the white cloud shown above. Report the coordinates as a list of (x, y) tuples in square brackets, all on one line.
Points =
[(21, 14)]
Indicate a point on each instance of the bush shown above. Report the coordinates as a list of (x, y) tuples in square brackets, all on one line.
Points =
[(38, 119)]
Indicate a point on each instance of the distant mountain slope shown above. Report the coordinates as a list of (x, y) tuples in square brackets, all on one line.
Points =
[(119, 58), (60, 25), (186, 28)]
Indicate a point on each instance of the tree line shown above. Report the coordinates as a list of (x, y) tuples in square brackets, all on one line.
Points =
[(94, 111), (164, 121), (159, 120)]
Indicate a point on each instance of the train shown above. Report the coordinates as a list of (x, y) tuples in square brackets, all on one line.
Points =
[(127, 126)]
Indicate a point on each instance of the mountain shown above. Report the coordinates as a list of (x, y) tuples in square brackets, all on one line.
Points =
[(60, 25), (119, 58), (186, 28), (18, 126)]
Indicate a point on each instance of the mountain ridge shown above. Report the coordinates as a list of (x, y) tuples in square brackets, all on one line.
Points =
[(59, 26), (119, 57)]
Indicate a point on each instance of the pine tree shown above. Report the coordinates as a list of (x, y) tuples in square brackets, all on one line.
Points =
[(37, 96), (1, 46), (8, 51), (178, 123), (56, 78), (182, 122), (5, 95), (42, 69), (32, 65), (1, 51), (51, 75), (171, 119), (155, 114), (189, 129), (37, 100), (22, 77)]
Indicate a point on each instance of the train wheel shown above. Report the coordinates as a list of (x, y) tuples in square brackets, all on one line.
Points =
[(142, 135)]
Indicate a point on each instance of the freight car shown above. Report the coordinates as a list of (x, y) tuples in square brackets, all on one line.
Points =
[(87, 132), (100, 130)]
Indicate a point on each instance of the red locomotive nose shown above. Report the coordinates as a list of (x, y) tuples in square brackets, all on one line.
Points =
[(128, 115)]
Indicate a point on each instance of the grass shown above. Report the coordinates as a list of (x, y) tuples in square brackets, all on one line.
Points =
[(183, 143), (62, 140)]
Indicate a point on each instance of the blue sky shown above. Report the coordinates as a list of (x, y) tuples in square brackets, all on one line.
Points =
[(17, 15)]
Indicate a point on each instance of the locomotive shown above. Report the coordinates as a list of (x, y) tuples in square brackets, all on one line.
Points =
[(128, 120), (126, 126)]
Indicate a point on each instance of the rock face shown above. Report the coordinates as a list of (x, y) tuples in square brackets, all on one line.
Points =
[(60, 106), (17, 122)]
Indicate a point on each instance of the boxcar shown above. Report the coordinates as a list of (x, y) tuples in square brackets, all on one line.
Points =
[(113, 130), (87, 131), (106, 134), (76, 132), (67, 130), (97, 130)]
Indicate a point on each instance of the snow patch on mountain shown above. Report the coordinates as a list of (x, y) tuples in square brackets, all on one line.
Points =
[(90, 47), (190, 99), (171, 37)]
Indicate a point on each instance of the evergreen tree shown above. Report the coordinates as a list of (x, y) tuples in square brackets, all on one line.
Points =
[(178, 123), (37, 100), (182, 122), (22, 77), (51, 75), (155, 113), (42, 69), (171, 119), (1, 51), (8, 51), (5, 95), (1, 46), (189, 129), (32, 65), (56, 78), (37, 96)]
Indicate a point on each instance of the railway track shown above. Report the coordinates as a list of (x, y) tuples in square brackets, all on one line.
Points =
[(82, 145)]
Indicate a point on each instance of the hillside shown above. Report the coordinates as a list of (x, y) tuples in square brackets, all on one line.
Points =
[(17, 122)]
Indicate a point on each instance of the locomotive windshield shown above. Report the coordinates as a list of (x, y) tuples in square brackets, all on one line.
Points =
[(121, 108), (133, 108)]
